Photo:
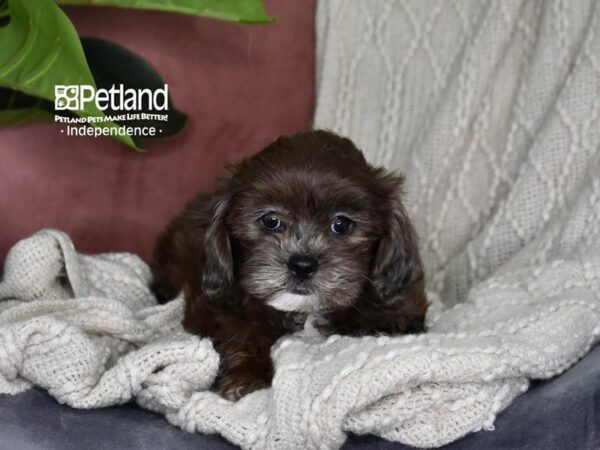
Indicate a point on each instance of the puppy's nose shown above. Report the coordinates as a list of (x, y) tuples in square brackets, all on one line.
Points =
[(302, 266)]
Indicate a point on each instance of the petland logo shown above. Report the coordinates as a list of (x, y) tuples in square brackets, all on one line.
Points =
[(117, 98), (135, 112)]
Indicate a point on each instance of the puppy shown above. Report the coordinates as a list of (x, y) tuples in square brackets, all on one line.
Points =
[(305, 226)]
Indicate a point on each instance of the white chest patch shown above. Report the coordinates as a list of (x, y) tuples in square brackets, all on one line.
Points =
[(286, 301)]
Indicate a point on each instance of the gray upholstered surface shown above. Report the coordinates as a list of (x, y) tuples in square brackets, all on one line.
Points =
[(563, 413)]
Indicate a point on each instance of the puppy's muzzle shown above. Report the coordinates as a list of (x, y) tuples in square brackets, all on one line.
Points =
[(302, 266)]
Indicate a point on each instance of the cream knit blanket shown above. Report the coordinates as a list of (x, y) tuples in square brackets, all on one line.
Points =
[(492, 110)]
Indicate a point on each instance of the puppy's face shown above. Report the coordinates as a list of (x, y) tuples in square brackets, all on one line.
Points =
[(310, 224), (306, 239)]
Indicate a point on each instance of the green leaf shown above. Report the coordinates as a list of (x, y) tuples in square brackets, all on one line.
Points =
[(112, 64), (41, 49), (17, 108), (19, 116), (245, 11)]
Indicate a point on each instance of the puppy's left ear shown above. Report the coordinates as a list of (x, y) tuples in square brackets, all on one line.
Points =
[(397, 262)]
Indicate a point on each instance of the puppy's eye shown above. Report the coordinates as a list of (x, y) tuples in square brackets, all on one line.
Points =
[(271, 222), (341, 225)]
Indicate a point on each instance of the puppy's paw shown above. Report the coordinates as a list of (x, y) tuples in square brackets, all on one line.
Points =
[(317, 325), (233, 387)]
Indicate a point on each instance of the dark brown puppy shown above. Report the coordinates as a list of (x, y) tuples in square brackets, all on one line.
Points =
[(306, 225)]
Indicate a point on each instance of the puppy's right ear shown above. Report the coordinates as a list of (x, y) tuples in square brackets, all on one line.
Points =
[(217, 277)]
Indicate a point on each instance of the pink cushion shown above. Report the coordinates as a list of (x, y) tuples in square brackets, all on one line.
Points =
[(241, 85)]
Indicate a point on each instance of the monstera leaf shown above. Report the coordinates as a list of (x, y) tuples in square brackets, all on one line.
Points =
[(244, 11), (40, 49)]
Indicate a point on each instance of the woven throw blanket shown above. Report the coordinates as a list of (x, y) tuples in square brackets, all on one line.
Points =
[(87, 329), (492, 110)]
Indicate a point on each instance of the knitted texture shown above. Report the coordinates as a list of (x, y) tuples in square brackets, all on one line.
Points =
[(87, 329), (492, 110)]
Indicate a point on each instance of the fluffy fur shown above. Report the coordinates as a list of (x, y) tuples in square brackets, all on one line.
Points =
[(239, 284)]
